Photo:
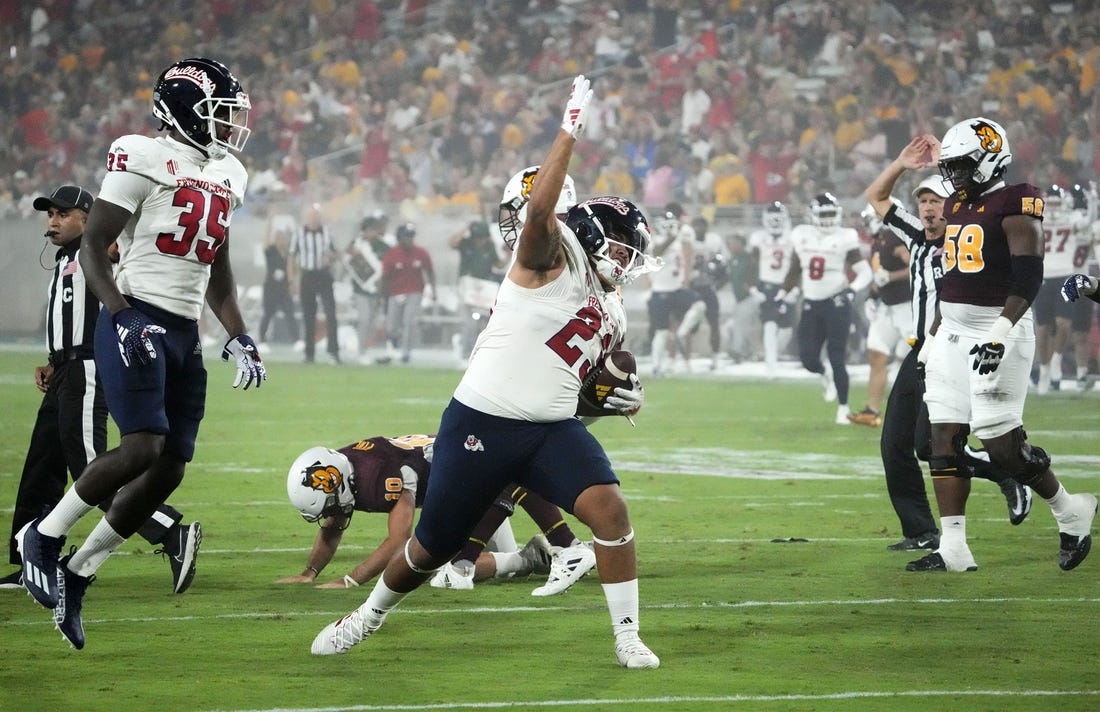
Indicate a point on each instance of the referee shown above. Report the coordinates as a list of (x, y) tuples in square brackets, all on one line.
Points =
[(71, 427), (906, 431), (314, 253)]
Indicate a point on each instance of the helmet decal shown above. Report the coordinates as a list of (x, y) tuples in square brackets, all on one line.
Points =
[(325, 478), (988, 137)]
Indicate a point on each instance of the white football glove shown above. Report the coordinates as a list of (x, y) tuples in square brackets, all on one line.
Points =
[(250, 367), (626, 402), (756, 295), (881, 277), (572, 121)]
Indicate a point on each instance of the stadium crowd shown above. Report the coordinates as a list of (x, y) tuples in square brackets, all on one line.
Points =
[(705, 102)]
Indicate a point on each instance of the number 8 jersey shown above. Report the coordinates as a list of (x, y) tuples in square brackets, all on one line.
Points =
[(181, 204)]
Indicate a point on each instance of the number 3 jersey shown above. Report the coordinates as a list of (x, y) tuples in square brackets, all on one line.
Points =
[(182, 203), (539, 344)]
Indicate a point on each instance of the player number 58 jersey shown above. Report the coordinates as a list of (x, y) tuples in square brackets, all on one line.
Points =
[(182, 203)]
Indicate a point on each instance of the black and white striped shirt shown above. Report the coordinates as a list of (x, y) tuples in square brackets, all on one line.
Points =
[(312, 248), (71, 309), (925, 267)]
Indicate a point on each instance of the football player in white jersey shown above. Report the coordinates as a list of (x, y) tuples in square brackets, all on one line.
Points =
[(709, 272), (1067, 242), (824, 251), (669, 295), (512, 414), (771, 251), (168, 201)]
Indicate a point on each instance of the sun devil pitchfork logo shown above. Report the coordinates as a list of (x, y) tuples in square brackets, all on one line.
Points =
[(473, 444)]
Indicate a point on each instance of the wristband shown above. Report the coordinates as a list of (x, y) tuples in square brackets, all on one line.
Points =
[(349, 582), (999, 331)]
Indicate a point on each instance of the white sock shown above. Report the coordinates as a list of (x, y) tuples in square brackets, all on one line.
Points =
[(1059, 503), (771, 344), (67, 513), (508, 563), (622, 604), (100, 544), (1056, 367), (953, 532), (380, 602), (660, 346), (1082, 372)]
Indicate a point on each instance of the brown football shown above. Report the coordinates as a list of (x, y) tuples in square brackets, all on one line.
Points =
[(601, 382)]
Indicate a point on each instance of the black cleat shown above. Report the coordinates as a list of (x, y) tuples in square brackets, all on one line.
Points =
[(1074, 550), (1019, 498), (916, 543), (40, 554), (66, 615), (933, 562), (182, 549), (14, 580)]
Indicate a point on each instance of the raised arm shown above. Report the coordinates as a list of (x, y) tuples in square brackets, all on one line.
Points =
[(539, 255), (918, 153)]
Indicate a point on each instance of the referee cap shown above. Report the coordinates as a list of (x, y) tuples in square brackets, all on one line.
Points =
[(66, 197)]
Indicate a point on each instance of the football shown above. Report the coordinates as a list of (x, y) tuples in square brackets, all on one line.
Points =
[(601, 382)]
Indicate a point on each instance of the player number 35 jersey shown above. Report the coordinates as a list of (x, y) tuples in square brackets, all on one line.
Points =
[(182, 203)]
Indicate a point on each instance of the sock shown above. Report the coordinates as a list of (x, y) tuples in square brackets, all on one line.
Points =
[(1082, 372), (953, 532), (1056, 367), (100, 544), (622, 604), (67, 512), (660, 346), (771, 344), (1060, 502), (509, 563), (380, 602)]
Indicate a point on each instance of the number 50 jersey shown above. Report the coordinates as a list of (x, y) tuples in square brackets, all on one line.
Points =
[(181, 204)]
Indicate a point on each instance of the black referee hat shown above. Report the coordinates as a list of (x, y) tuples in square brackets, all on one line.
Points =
[(66, 197)]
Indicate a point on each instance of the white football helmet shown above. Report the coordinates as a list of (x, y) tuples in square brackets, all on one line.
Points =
[(973, 155), (513, 204), (776, 219), (825, 211), (319, 484)]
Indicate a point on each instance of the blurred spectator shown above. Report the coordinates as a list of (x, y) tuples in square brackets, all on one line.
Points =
[(407, 279), (363, 264), (276, 289)]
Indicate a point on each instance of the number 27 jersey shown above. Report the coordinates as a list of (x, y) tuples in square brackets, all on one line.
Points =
[(181, 204)]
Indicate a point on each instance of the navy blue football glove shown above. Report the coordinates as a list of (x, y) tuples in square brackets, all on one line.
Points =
[(987, 357), (134, 332), (250, 367)]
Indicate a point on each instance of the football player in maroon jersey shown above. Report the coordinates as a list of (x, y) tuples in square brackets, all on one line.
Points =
[(979, 359)]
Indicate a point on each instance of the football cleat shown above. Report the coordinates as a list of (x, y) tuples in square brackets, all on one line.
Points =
[(917, 543), (567, 566), (1076, 543), (632, 653), (536, 556), (868, 416), (14, 580), (459, 576), (182, 549), (40, 554), (1019, 498), (341, 636), (936, 562), (66, 614)]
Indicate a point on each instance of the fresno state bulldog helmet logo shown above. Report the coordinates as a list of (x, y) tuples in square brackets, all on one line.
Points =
[(324, 478)]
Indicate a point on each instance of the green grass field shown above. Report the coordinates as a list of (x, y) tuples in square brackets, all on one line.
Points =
[(715, 472)]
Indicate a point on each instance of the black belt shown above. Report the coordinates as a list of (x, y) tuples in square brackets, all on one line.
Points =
[(79, 354)]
